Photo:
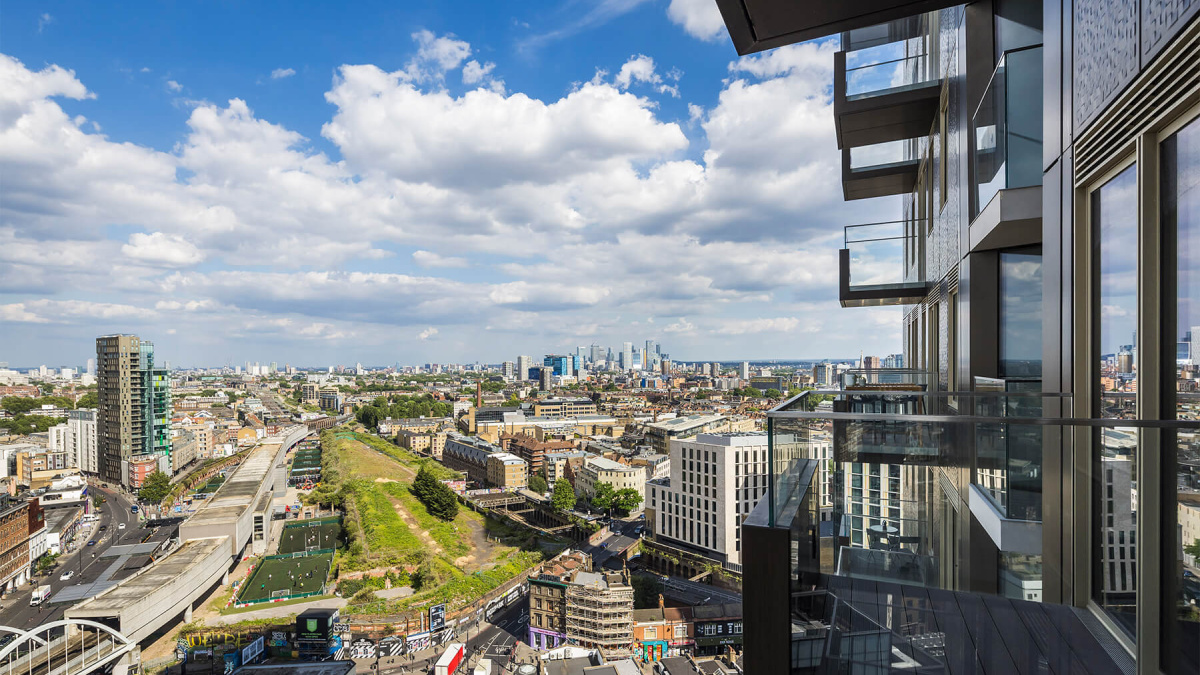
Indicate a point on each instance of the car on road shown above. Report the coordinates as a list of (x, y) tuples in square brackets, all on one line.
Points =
[(66, 576), (104, 485), (92, 542), (103, 528), (120, 526)]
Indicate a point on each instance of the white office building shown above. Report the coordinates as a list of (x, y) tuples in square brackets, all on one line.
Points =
[(716, 481), (82, 441)]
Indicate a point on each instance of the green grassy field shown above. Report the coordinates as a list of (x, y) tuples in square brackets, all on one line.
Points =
[(290, 574)]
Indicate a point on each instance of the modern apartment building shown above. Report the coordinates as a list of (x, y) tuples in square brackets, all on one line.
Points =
[(1042, 160), (82, 446), (716, 481), (134, 415)]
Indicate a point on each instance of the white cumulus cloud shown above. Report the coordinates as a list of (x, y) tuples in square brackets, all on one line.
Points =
[(280, 73), (157, 248), (427, 333), (700, 18)]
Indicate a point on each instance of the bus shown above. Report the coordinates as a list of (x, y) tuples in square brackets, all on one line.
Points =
[(40, 594)]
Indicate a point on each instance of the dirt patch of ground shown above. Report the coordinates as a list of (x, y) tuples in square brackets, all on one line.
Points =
[(412, 524), (386, 480)]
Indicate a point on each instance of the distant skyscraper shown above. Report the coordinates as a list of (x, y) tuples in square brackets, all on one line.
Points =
[(744, 370), (581, 355), (560, 364), (715, 368), (650, 357), (626, 355), (524, 363), (133, 422), (91, 367), (597, 353)]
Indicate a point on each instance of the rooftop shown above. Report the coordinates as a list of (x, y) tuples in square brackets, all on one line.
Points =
[(732, 438), (685, 423), (603, 464), (165, 571)]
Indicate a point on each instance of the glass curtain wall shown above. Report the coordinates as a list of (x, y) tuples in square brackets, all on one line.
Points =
[(1114, 217), (1180, 185)]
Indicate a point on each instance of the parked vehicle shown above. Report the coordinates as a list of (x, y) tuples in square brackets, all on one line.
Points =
[(40, 594), (450, 660), (92, 542), (66, 576)]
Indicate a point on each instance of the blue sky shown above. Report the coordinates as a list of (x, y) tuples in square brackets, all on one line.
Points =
[(315, 183)]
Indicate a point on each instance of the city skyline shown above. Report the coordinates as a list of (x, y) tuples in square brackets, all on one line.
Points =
[(243, 200)]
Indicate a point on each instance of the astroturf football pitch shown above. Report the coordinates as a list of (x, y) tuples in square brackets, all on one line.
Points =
[(287, 574)]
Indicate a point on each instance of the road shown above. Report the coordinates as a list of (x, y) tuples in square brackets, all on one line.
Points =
[(502, 641), (85, 562), (605, 552)]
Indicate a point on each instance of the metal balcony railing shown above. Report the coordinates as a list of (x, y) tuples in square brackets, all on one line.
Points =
[(1007, 127)]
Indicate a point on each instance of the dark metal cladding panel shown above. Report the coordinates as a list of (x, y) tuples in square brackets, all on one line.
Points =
[(755, 25)]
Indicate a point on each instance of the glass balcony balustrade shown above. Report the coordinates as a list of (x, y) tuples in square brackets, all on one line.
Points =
[(881, 264), (910, 470), (910, 379), (901, 154), (1008, 127)]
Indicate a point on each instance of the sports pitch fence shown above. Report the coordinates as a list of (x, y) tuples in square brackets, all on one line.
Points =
[(288, 576), (310, 535)]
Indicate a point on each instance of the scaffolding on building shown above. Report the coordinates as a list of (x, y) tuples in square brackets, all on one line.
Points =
[(600, 612)]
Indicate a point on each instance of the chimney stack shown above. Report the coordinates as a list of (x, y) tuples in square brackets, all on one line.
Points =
[(479, 394)]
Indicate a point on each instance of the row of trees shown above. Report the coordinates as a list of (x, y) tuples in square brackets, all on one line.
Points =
[(606, 498), (402, 407), (437, 497), (21, 405)]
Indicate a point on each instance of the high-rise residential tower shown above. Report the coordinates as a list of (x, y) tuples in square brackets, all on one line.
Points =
[(133, 420), (1030, 458), (626, 355), (524, 363)]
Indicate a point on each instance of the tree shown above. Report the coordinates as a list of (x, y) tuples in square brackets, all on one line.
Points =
[(537, 484), (626, 500), (564, 495), (773, 393), (1193, 549), (437, 497), (602, 498), (208, 393), (88, 400), (155, 487), (646, 590)]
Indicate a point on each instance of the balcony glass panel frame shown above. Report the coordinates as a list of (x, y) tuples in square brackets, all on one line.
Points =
[(1007, 127), (894, 62), (890, 248)]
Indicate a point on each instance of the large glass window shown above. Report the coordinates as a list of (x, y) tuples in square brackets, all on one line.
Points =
[(1114, 489), (1021, 314), (1180, 176)]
